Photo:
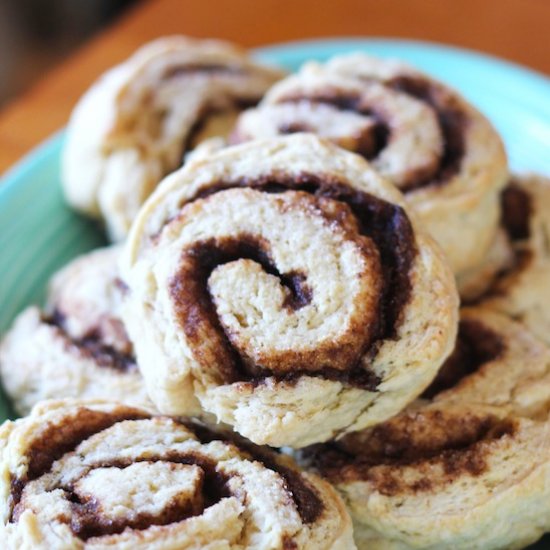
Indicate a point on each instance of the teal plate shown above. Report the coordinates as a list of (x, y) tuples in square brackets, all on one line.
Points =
[(38, 233)]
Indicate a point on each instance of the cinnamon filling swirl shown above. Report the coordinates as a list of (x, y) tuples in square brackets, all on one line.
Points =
[(369, 142), (90, 520), (386, 225), (378, 128), (307, 501), (516, 212), (55, 441), (439, 447), (198, 69), (476, 345), (452, 121), (198, 482), (92, 346)]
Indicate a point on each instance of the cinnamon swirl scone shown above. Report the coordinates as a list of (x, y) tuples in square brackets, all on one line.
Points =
[(438, 149), (284, 284), (97, 475), (449, 476), (77, 347), (522, 290), (135, 124), (468, 464)]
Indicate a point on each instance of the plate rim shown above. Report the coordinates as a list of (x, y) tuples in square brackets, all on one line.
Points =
[(41, 152), (382, 40)]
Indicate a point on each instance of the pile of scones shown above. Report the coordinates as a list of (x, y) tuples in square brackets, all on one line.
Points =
[(323, 321)]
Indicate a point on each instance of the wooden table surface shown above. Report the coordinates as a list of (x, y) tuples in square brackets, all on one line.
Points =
[(517, 30)]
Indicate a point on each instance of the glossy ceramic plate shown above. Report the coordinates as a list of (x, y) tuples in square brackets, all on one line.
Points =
[(38, 233)]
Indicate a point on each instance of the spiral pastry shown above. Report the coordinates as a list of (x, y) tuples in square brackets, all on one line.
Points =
[(440, 151), (135, 124), (452, 475), (283, 284), (521, 290), (77, 347), (91, 475), (467, 465)]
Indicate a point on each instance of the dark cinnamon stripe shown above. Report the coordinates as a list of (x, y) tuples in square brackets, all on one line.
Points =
[(452, 121), (215, 69), (308, 503), (93, 347), (209, 111), (87, 521), (516, 212), (386, 224), (57, 440), (420, 440), (356, 376), (476, 346), (451, 118), (370, 143), (289, 543)]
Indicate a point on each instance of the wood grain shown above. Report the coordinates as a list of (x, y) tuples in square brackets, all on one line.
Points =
[(514, 29)]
